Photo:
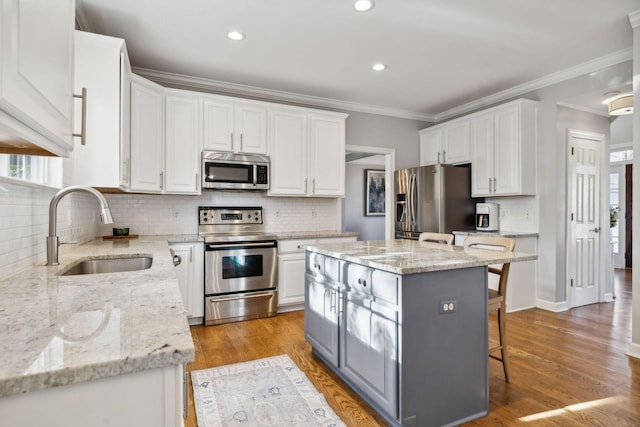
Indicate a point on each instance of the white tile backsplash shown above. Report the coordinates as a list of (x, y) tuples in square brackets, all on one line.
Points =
[(517, 213), (24, 223), (155, 215)]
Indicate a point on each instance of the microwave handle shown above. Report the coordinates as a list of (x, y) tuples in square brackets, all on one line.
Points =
[(255, 170)]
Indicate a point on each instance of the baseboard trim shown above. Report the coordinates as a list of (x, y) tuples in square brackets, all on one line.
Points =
[(634, 350), (552, 306)]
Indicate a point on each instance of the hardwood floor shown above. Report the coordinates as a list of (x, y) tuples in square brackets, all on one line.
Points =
[(567, 369)]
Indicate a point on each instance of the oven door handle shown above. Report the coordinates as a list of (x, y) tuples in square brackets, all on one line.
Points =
[(243, 296), (222, 246)]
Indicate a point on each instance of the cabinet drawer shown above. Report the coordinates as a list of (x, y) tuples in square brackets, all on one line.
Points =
[(292, 246), (385, 286), (380, 284), (359, 277), (323, 265)]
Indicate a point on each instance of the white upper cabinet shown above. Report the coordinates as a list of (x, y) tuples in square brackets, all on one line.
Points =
[(147, 136), (183, 142), (503, 150), (326, 154), (102, 67), (36, 73), (447, 144), (307, 152), (233, 125)]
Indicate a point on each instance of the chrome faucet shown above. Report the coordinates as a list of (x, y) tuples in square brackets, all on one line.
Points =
[(52, 240)]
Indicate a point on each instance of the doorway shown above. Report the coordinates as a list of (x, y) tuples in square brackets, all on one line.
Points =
[(584, 222), (356, 208), (620, 190)]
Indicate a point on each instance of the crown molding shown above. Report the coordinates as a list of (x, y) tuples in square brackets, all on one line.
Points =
[(585, 109), (634, 19), (548, 80), (223, 87)]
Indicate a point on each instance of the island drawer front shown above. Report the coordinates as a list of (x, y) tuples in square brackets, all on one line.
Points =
[(380, 284), (323, 265)]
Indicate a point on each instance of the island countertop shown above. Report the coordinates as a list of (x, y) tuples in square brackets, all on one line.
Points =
[(411, 256), (58, 330)]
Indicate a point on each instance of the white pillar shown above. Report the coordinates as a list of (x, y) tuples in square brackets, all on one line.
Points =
[(634, 346)]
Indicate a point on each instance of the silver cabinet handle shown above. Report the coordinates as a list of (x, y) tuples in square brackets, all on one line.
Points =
[(489, 185), (161, 180), (197, 181), (438, 157), (444, 157), (313, 186), (232, 140), (305, 185), (241, 141), (185, 395), (494, 185), (83, 128)]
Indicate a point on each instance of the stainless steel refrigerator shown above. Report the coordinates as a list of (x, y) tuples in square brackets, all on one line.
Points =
[(433, 198)]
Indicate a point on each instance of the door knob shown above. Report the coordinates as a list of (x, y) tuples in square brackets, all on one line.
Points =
[(596, 230)]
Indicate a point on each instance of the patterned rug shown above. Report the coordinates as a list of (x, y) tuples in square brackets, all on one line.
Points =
[(266, 392)]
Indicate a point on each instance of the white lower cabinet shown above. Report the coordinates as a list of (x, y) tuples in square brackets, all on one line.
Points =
[(291, 270), (152, 398), (190, 272)]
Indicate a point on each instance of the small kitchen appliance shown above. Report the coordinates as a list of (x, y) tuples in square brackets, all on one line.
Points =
[(233, 171), (240, 265), (487, 215)]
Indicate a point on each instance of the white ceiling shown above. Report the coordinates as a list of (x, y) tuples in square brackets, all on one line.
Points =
[(440, 54)]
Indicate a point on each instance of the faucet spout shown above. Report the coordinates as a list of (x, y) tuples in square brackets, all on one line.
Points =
[(52, 240)]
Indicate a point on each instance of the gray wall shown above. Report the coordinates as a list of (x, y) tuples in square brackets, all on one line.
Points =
[(388, 132), (353, 217)]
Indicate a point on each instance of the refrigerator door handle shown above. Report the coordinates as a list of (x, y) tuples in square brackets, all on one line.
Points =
[(413, 202)]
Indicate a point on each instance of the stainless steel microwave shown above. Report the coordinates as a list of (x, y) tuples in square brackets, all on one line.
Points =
[(232, 171)]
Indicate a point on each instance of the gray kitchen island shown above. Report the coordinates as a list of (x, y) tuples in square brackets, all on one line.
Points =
[(404, 323)]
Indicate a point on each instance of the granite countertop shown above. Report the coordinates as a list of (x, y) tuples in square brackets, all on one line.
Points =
[(501, 233), (57, 330), (313, 234), (410, 256)]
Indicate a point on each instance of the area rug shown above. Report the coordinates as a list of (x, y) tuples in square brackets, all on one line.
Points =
[(266, 392)]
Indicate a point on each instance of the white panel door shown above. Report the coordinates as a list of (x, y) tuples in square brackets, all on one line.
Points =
[(147, 139), (326, 156), (182, 143), (288, 153), (482, 155), (37, 66), (584, 231), (250, 128), (218, 125)]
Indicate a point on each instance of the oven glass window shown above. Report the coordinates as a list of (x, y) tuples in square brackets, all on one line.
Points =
[(238, 266), (228, 173)]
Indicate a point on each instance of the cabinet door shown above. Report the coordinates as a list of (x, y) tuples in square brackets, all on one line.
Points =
[(218, 125), (321, 318), (455, 144), (37, 65), (430, 143), (182, 143), (250, 129), (288, 153), (190, 273), (326, 156), (507, 151), (98, 68), (291, 278), (481, 133), (147, 139), (369, 354)]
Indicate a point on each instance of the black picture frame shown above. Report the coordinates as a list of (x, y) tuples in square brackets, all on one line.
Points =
[(374, 190)]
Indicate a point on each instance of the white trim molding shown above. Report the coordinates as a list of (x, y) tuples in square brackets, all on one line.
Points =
[(556, 307)]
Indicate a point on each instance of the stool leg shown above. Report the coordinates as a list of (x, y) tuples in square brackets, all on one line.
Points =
[(503, 340)]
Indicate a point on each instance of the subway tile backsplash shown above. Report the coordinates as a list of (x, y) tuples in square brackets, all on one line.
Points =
[(154, 215)]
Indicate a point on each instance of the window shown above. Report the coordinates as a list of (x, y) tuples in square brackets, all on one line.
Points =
[(36, 169), (621, 155)]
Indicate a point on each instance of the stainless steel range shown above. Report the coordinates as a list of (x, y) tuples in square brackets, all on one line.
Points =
[(240, 273)]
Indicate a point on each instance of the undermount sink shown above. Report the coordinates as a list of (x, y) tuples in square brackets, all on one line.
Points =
[(109, 265)]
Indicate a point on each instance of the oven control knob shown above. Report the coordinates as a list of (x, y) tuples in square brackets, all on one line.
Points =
[(256, 219)]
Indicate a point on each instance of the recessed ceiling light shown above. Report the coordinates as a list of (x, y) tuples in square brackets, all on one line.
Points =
[(378, 67), (235, 35), (363, 5)]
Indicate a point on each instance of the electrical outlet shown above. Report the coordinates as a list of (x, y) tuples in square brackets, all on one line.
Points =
[(526, 214), (176, 214), (313, 213), (449, 306), (277, 214)]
